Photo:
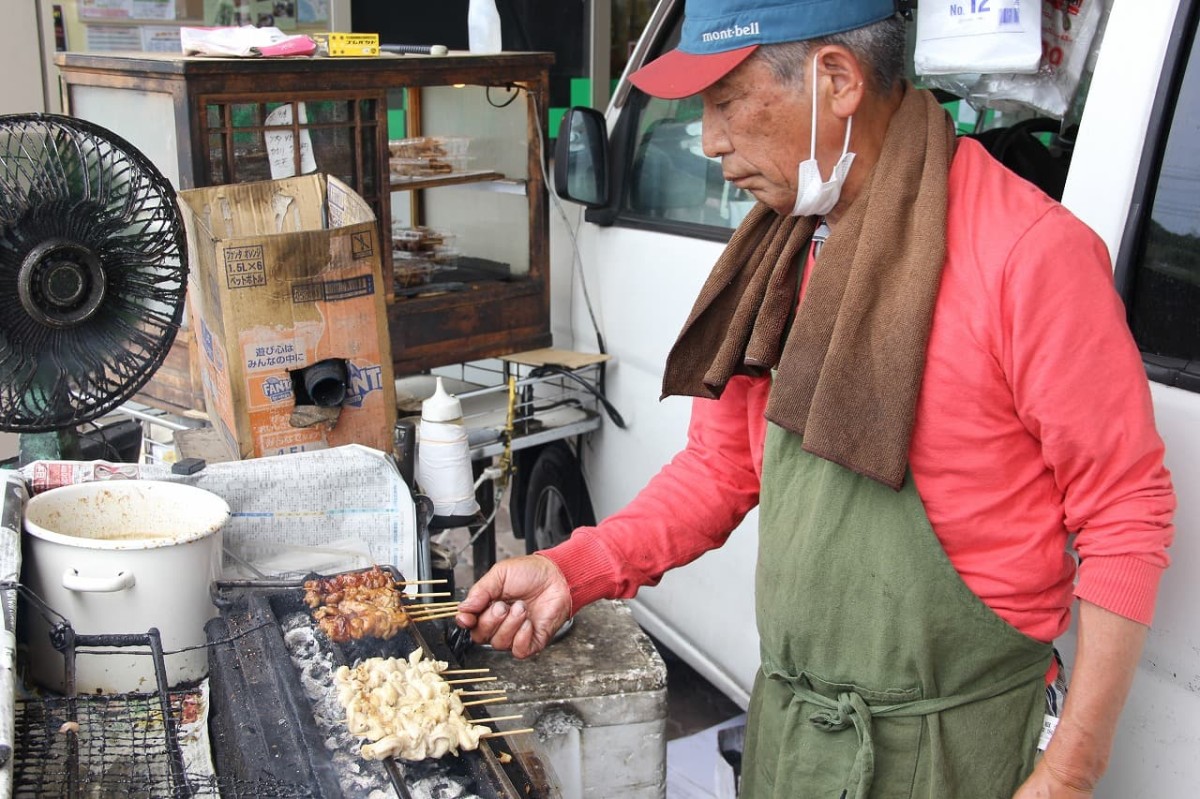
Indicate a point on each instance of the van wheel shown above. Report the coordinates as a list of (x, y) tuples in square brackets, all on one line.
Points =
[(556, 500)]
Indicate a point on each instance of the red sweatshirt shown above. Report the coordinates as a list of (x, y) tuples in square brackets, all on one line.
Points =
[(1034, 423)]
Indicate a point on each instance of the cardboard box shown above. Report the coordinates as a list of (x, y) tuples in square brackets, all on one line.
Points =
[(284, 274), (342, 44)]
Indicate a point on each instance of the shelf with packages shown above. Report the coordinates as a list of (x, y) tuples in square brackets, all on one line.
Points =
[(452, 179), (211, 121)]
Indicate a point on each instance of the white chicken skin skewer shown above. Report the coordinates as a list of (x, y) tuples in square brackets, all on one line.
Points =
[(405, 709)]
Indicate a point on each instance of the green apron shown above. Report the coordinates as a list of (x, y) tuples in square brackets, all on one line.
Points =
[(883, 676)]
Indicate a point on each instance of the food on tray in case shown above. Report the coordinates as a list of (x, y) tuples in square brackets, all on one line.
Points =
[(419, 239), (418, 252), (356, 605), (429, 147), (424, 156), (427, 167), (405, 709)]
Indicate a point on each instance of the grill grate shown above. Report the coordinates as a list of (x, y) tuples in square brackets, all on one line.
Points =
[(121, 750)]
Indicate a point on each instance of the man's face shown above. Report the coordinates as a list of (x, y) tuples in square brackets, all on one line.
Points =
[(759, 128)]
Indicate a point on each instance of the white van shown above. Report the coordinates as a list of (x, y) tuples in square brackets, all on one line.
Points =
[(657, 217)]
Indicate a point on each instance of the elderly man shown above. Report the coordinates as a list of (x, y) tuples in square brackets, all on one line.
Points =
[(914, 362)]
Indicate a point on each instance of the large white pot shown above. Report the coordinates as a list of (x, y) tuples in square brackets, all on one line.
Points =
[(123, 556)]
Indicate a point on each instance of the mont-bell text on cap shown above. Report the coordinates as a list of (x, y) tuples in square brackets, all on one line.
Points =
[(713, 26), (718, 35)]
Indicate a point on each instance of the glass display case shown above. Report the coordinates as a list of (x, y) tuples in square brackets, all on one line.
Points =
[(208, 121)]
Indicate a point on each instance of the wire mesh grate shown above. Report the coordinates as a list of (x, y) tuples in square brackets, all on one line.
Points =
[(121, 750)]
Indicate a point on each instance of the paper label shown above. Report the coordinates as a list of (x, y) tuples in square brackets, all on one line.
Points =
[(975, 18), (280, 147), (1049, 725)]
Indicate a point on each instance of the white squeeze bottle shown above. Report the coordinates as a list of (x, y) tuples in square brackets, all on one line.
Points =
[(444, 456), (483, 26)]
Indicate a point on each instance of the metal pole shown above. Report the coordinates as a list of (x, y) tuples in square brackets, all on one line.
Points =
[(599, 51)]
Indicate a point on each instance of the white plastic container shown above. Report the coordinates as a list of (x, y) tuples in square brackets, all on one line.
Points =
[(122, 556), (444, 456), (483, 26)]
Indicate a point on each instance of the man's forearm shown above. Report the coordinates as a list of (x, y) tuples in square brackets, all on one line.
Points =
[(1106, 658)]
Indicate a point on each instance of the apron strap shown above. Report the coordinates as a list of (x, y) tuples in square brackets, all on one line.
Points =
[(850, 708)]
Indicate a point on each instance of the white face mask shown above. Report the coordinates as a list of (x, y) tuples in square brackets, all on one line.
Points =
[(815, 197)]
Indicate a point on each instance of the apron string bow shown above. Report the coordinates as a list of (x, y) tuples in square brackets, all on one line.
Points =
[(850, 708)]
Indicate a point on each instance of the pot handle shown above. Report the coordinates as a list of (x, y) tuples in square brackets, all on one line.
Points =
[(72, 580)]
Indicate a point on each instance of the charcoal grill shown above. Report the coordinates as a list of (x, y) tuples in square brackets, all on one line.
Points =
[(274, 715)]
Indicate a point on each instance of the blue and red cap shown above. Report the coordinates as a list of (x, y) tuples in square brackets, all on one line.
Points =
[(720, 34)]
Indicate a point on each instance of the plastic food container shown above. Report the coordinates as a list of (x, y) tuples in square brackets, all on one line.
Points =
[(430, 147), (427, 166), (419, 239), (410, 272)]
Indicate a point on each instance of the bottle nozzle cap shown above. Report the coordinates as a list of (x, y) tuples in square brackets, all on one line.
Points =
[(441, 406)]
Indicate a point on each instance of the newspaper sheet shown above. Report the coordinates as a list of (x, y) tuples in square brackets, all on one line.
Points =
[(12, 510), (324, 511)]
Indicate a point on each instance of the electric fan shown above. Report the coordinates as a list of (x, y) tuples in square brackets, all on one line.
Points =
[(93, 271)]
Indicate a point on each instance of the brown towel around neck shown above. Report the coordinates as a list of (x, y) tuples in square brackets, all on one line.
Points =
[(848, 376)]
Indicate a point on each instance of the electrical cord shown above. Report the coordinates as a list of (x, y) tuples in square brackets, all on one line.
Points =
[(487, 93), (577, 258), (609, 408), (576, 265)]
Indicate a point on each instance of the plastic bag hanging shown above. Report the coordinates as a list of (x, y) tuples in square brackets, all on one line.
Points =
[(1069, 29)]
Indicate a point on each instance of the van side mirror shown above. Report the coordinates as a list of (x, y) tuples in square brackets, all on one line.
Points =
[(581, 158)]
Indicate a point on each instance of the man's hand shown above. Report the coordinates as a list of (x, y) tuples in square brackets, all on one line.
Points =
[(519, 605), (1045, 783)]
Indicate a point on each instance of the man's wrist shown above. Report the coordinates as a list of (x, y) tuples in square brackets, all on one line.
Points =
[(1076, 758)]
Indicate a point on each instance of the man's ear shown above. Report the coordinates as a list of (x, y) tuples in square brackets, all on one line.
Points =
[(846, 85)]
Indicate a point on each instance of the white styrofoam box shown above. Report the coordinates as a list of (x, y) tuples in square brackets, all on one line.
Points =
[(598, 701)]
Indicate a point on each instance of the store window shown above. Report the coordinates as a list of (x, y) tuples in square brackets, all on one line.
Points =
[(1164, 281)]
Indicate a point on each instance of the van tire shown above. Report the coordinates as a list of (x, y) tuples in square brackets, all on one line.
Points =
[(555, 498)]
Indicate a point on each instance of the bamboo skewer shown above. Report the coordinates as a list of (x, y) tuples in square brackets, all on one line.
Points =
[(493, 700), (420, 611), (434, 616), (429, 594), (501, 733), (479, 693), (498, 718), (465, 671), (471, 680), (420, 582), (417, 605)]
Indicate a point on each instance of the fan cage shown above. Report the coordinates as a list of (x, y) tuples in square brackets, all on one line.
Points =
[(93, 271)]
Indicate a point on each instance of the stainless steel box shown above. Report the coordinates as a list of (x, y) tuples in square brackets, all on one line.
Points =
[(598, 700)]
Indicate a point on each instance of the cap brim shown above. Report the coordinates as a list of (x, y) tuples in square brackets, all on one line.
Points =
[(677, 74)]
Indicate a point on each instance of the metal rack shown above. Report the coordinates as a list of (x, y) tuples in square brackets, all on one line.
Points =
[(514, 402)]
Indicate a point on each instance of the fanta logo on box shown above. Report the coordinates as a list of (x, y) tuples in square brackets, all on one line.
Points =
[(277, 389), (362, 382)]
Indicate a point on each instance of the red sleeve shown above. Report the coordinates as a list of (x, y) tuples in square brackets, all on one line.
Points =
[(1081, 390), (688, 508)]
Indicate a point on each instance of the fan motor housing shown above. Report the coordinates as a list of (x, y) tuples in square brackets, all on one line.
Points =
[(61, 283)]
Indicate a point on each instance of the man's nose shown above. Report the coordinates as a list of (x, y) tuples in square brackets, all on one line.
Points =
[(713, 140)]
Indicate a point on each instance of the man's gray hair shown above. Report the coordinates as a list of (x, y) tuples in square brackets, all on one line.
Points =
[(879, 47)]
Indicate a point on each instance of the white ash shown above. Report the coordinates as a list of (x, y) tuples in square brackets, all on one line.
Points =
[(315, 665)]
